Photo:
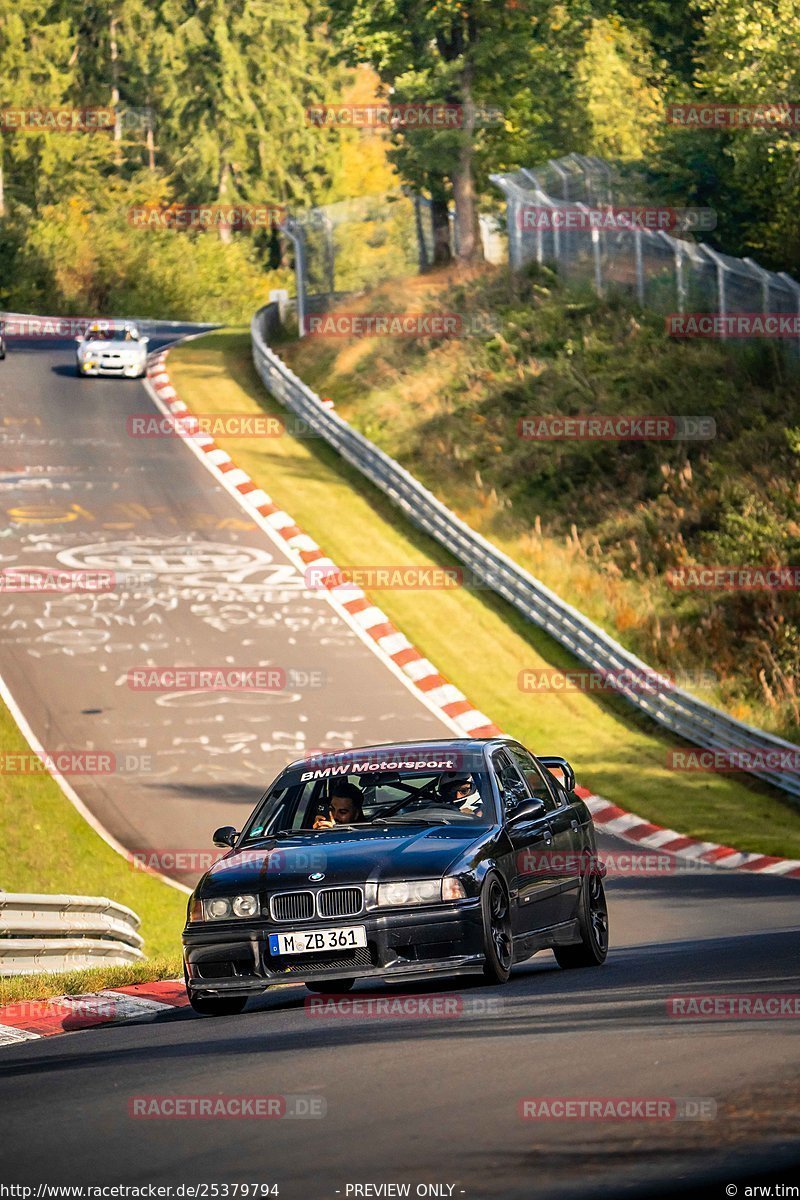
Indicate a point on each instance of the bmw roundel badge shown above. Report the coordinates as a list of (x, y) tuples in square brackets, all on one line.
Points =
[(316, 876)]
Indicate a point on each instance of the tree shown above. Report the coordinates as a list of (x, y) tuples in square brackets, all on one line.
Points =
[(509, 67), (749, 55), (231, 90)]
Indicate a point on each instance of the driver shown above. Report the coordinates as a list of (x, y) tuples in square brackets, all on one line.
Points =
[(344, 808), (460, 791)]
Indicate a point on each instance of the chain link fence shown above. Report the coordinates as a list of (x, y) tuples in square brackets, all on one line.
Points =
[(356, 244), (659, 271), (352, 245)]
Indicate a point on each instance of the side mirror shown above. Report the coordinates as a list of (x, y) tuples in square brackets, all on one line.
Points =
[(79, 338), (561, 769), (144, 340), (529, 809), (226, 835)]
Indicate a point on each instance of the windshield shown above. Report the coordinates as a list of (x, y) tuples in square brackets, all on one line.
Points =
[(111, 335), (391, 798)]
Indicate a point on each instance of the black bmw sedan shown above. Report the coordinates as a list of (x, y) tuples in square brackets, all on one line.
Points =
[(399, 862)]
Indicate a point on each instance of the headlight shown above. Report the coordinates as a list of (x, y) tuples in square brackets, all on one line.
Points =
[(245, 906), (221, 908), (409, 891)]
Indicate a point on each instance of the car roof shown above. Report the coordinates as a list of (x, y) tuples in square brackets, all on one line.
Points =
[(360, 753)]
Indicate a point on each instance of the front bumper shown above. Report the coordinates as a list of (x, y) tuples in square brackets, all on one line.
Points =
[(121, 370), (400, 945)]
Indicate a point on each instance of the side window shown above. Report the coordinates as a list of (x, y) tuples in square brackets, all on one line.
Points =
[(534, 777), (310, 803), (512, 786)]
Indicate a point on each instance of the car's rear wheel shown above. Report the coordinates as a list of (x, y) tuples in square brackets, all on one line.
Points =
[(333, 987), (592, 949), (498, 946)]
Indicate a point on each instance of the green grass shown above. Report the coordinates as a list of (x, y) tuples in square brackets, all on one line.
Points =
[(48, 847), (475, 639), (93, 979), (602, 523)]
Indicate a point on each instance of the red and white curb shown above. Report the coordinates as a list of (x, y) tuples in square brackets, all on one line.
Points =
[(641, 832), (27, 1020), (369, 622), (433, 689)]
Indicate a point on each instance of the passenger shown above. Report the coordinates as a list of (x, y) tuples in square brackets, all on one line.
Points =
[(345, 807), (460, 791)]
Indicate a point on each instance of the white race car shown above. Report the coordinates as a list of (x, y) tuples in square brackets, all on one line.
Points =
[(108, 349)]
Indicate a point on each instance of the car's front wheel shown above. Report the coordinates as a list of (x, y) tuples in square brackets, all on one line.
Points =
[(498, 946), (333, 987), (592, 949)]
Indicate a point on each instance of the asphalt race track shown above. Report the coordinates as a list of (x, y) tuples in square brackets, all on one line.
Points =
[(397, 1098), (424, 1100), (204, 586)]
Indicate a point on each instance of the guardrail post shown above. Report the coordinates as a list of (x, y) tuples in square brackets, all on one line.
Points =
[(637, 251), (297, 237), (722, 299)]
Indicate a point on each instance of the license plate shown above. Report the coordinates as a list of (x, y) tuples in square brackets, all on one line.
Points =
[(312, 941)]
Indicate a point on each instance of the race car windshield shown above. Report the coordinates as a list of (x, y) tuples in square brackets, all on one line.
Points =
[(111, 335), (356, 800)]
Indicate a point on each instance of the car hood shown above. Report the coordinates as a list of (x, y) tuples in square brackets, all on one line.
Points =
[(99, 345), (372, 854)]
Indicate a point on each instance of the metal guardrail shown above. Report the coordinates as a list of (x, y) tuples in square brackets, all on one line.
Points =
[(62, 933), (672, 708)]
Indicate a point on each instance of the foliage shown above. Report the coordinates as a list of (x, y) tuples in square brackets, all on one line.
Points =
[(211, 107), (603, 523)]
